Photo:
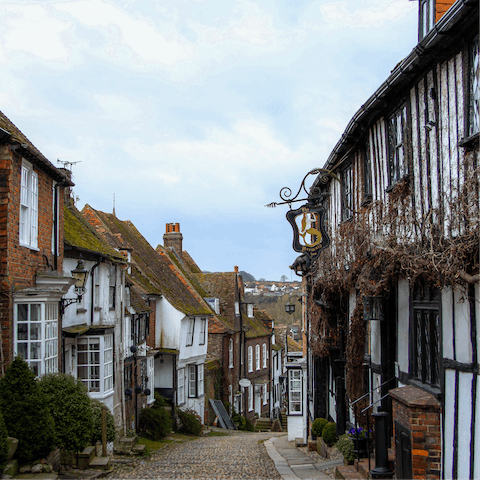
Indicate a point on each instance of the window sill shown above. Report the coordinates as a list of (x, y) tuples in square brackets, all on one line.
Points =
[(97, 309), (30, 247), (81, 310), (470, 143)]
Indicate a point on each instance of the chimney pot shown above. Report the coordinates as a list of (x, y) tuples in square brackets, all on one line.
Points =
[(236, 269)]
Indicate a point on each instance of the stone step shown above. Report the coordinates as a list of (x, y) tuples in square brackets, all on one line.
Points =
[(139, 449), (100, 463), (84, 458)]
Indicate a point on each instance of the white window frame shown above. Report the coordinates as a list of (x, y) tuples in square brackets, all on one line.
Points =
[(230, 353), (37, 344), (250, 358), (265, 393), (112, 287), (427, 17), (190, 332), (180, 386), (264, 355), (203, 331), (397, 139), (97, 374), (192, 381), (295, 392), (55, 220), (28, 223), (474, 89), (250, 398), (151, 374), (257, 357)]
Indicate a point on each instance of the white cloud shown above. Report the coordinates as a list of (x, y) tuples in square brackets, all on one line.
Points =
[(118, 108), (34, 31), (129, 36)]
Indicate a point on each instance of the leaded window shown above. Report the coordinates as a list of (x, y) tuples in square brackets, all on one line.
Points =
[(347, 192), (474, 94), (397, 167), (426, 335)]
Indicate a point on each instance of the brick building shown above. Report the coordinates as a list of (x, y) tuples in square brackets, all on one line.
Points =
[(31, 254)]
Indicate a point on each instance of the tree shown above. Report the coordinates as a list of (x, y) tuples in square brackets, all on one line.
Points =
[(247, 277), (24, 409), (3, 443), (283, 278), (71, 408)]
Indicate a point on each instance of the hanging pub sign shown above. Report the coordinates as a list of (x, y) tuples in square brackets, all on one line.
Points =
[(309, 235)]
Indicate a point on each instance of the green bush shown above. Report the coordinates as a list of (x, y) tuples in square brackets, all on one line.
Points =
[(188, 422), (3, 443), (97, 407), (25, 413), (242, 423), (318, 425), (160, 401), (329, 433), (154, 423), (345, 447), (71, 409)]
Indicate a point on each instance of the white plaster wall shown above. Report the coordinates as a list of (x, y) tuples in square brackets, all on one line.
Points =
[(195, 350), (464, 424), (168, 325), (295, 427), (403, 326), (449, 422), (447, 322), (463, 345), (376, 351)]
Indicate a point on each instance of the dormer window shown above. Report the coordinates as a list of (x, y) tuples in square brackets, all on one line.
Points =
[(427, 17)]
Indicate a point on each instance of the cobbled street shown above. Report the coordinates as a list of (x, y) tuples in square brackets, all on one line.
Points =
[(240, 455)]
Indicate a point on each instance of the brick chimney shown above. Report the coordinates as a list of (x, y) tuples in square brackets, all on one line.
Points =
[(173, 238)]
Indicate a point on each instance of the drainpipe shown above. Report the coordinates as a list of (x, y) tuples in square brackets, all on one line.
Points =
[(92, 303), (55, 226)]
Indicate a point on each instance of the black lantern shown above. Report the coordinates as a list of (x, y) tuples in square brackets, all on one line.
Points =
[(373, 308), (289, 308), (80, 274)]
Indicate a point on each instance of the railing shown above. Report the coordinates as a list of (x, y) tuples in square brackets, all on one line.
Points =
[(366, 409)]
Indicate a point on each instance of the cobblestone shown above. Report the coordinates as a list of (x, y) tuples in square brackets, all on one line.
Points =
[(240, 455)]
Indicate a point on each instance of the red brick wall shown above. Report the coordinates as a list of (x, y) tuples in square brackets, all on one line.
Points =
[(420, 413), (19, 265), (152, 323)]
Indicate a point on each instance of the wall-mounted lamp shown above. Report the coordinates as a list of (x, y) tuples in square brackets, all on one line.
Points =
[(373, 308), (289, 308), (80, 274)]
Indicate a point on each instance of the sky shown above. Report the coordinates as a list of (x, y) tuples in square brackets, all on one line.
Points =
[(197, 111)]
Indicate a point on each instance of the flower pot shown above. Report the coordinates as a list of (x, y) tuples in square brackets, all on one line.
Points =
[(360, 447)]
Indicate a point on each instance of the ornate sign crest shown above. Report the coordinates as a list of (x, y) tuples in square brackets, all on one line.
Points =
[(309, 234)]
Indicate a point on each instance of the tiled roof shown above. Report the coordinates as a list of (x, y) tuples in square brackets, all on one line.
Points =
[(152, 270), (27, 147), (221, 285), (255, 327), (137, 302), (293, 346), (79, 234)]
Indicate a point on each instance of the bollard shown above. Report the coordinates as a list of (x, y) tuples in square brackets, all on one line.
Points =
[(381, 470)]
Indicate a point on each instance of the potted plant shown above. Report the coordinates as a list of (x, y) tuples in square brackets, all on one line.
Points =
[(360, 438), (345, 447)]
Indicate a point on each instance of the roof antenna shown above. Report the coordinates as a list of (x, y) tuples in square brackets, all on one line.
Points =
[(114, 206), (67, 164)]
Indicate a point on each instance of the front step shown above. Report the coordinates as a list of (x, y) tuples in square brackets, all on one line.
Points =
[(86, 457), (100, 463), (125, 445), (262, 425)]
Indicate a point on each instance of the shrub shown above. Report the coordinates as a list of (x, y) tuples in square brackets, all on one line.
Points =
[(329, 433), (345, 447), (97, 407), (154, 423), (71, 408), (242, 423), (160, 401), (25, 413), (3, 443), (188, 422), (318, 425)]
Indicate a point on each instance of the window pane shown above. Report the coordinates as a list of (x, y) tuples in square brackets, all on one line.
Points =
[(22, 331), (35, 350), (22, 313), (35, 312), (22, 349), (35, 331)]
